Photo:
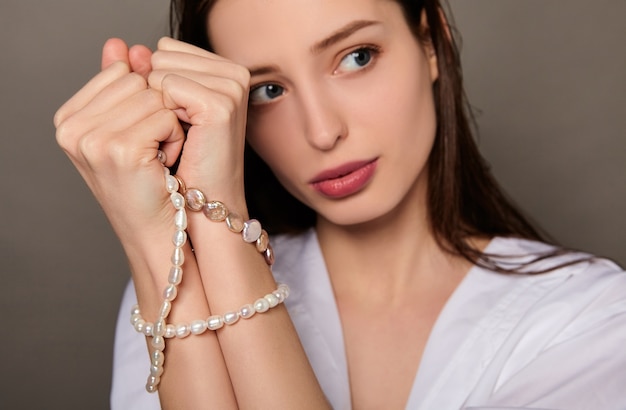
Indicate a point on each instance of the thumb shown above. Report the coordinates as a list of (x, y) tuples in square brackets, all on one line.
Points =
[(139, 57), (114, 50)]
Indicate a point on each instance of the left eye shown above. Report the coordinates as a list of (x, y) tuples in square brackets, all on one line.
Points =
[(356, 60), (265, 93)]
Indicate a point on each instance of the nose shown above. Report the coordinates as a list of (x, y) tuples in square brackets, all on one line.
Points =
[(324, 124)]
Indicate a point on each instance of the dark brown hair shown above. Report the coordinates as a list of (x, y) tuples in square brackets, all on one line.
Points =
[(464, 200)]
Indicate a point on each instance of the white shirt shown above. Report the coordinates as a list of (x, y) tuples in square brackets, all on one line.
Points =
[(549, 341)]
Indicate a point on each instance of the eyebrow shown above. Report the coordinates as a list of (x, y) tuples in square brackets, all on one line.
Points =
[(266, 69), (340, 34), (344, 32)]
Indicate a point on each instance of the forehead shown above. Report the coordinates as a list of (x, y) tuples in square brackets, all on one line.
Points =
[(247, 30)]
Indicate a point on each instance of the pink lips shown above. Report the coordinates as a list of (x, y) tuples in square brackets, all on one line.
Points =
[(344, 180)]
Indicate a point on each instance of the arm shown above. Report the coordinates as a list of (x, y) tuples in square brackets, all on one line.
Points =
[(111, 130), (266, 363)]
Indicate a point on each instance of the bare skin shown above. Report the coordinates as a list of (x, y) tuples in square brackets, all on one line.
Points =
[(390, 278)]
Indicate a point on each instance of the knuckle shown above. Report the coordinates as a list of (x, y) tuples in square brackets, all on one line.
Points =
[(155, 79), (242, 75), (59, 115), (64, 135), (118, 151), (156, 58), (223, 110), (136, 80), (167, 79), (89, 147), (168, 115), (68, 133), (237, 89)]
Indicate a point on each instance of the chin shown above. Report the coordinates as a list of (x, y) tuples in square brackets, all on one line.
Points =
[(357, 213)]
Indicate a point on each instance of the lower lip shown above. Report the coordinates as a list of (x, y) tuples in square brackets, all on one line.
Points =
[(348, 184)]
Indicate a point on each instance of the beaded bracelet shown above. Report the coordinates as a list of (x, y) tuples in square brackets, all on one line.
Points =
[(216, 211), (251, 231), (215, 322)]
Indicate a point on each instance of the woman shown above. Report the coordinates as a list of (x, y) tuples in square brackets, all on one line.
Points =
[(399, 249)]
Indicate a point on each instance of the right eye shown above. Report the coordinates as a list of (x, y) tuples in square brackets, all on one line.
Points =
[(265, 93)]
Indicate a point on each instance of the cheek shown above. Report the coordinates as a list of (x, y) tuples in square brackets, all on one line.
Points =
[(274, 141), (266, 135)]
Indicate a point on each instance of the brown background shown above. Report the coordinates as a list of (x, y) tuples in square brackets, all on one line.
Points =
[(546, 75)]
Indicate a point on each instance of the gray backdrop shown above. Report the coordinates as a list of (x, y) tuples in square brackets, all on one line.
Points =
[(546, 75)]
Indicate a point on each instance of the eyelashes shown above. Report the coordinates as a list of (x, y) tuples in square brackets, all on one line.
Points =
[(358, 59), (265, 93)]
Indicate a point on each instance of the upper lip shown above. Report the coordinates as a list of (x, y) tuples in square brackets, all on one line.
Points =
[(340, 171)]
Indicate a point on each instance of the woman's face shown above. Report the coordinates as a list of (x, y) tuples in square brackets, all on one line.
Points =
[(341, 105)]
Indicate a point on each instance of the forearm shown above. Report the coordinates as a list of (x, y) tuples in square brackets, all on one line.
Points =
[(264, 357), (194, 370)]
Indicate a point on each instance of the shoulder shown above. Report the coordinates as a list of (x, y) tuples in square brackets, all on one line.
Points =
[(539, 256), (566, 327), (572, 280)]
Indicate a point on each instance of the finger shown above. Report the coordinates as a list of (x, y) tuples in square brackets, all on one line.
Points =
[(124, 114), (92, 88), (198, 105), (106, 150), (178, 62), (114, 49), (114, 95), (224, 85), (221, 117), (160, 130), (170, 44), (106, 110), (139, 57)]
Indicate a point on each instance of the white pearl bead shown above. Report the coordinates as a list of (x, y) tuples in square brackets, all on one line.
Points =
[(170, 331), (182, 330), (180, 219), (165, 309), (178, 257), (170, 292), (176, 275), (230, 318), (159, 328), (139, 325), (261, 305), (152, 383), (215, 322), (171, 184), (284, 289), (147, 329), (158, 343), (134, 318), (135, 310), (156, 371), (179, 238), (151, 388), (279, 295), (157, 358), (247, 311), (198, 327), (271, 299), (161, 157), (177, 200)]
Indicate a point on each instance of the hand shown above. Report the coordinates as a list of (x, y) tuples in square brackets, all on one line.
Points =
[(111, 129), (209, 94), (137, 57)]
